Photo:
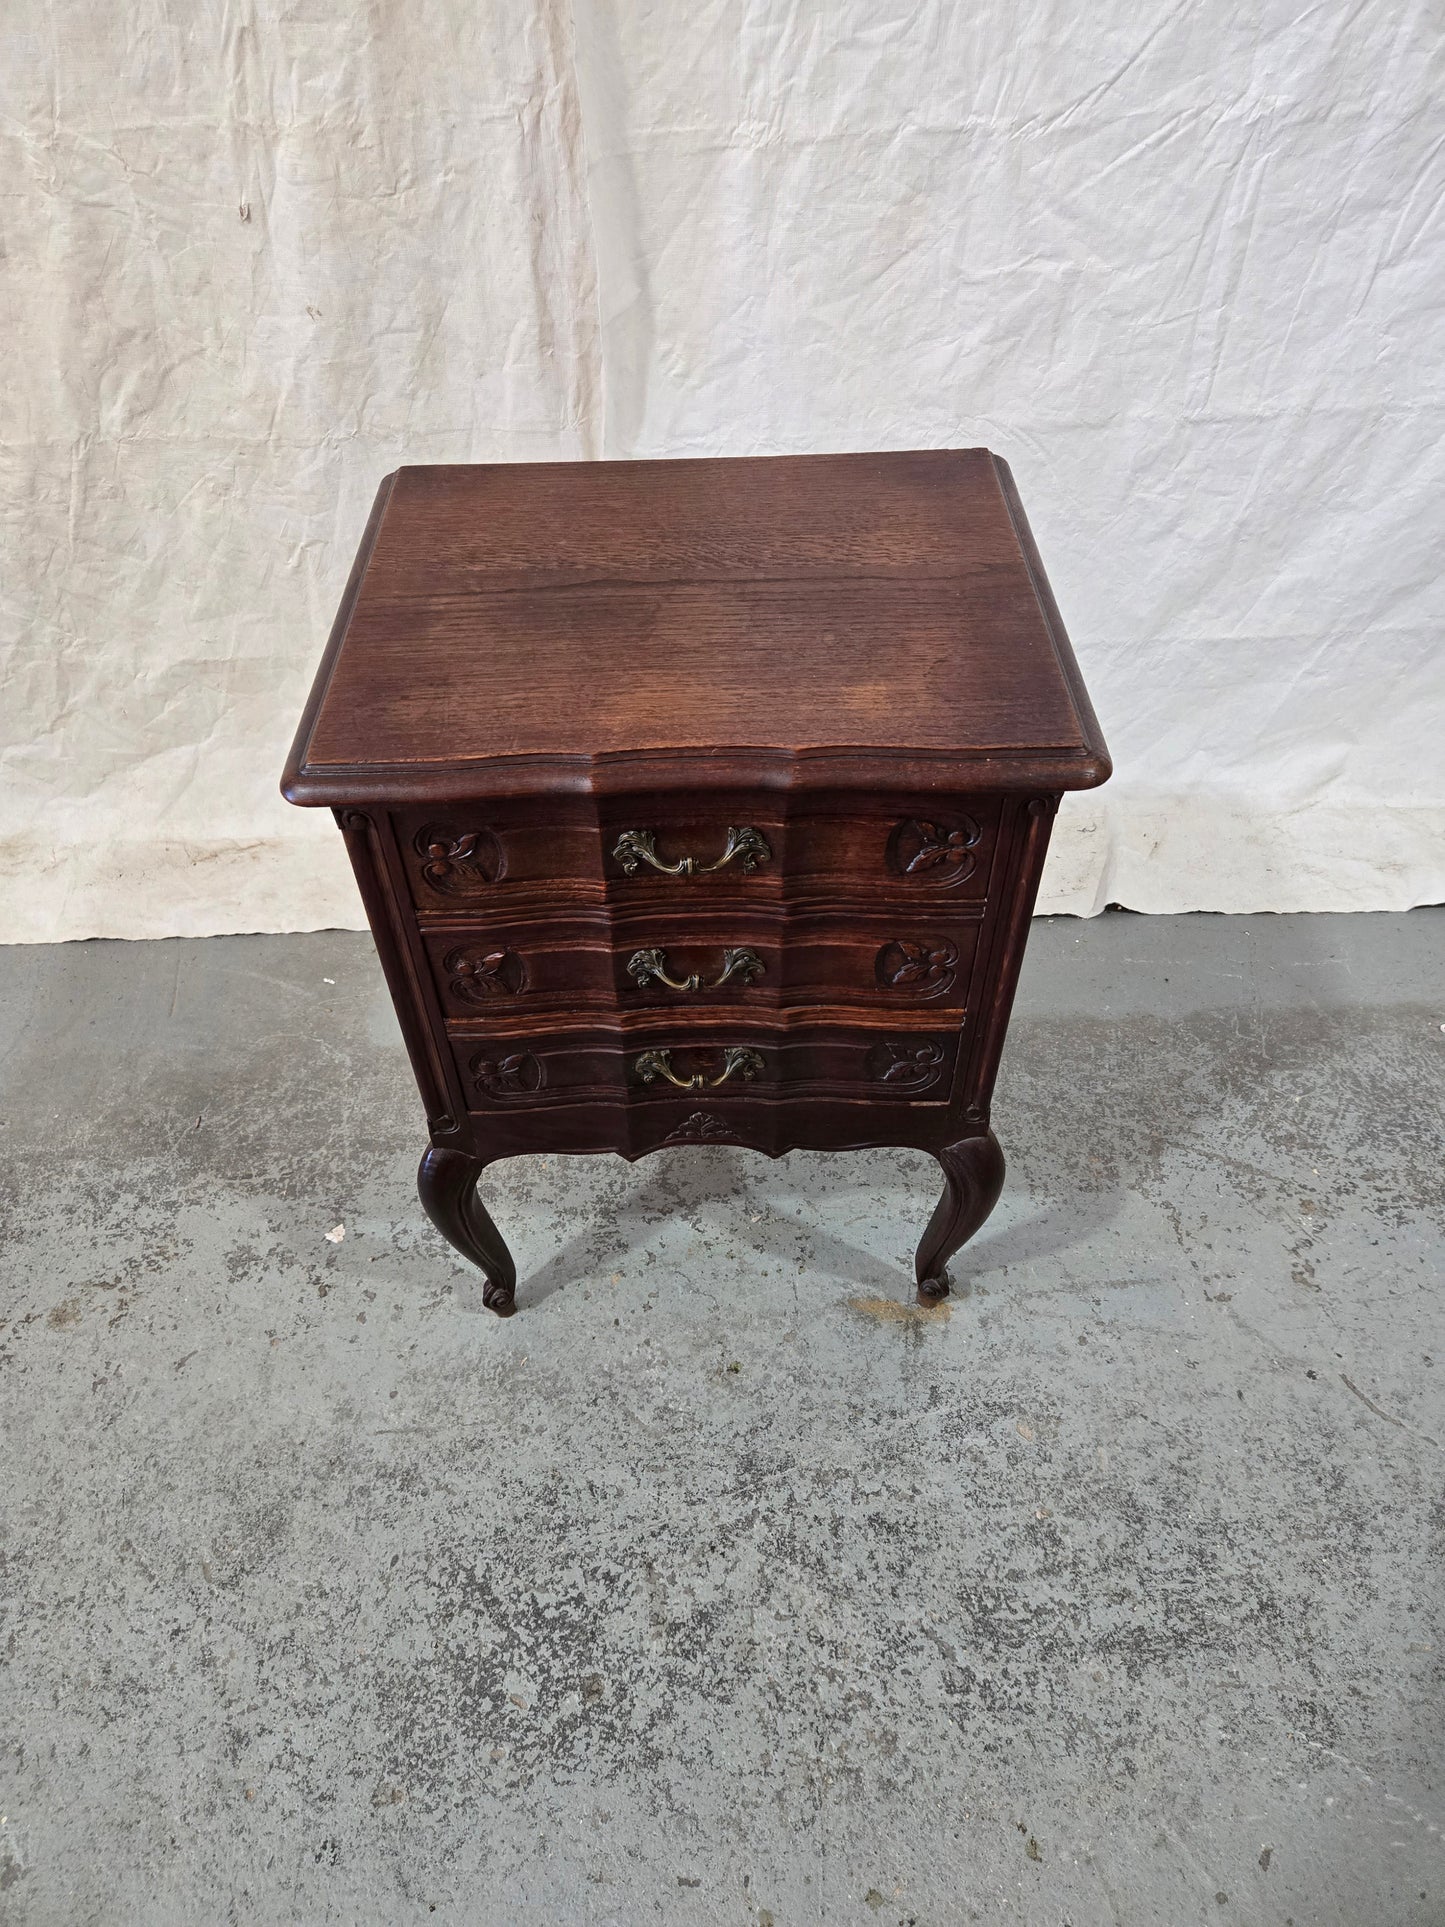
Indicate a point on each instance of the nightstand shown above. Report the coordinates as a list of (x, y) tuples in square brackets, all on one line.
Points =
[(700, 802)]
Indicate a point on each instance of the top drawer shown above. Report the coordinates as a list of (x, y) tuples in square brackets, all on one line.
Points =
[(639, 850)]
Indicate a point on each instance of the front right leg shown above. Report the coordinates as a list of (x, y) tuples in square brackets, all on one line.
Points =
[(447, 1184)]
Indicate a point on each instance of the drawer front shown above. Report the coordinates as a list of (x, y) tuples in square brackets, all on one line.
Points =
[(661, 850), (764, 957), (461, 858), (717, 1062), (465, 857)]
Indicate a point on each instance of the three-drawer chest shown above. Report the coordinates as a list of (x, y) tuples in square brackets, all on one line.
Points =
[(699, 803)]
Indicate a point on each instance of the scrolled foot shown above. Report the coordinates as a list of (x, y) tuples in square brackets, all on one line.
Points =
[(446, 1182), (973, 1177)]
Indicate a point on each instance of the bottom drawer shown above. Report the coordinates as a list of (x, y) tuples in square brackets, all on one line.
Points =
[(734, 1061)]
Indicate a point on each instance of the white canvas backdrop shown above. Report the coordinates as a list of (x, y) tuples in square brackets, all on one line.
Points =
[(1179, 260)]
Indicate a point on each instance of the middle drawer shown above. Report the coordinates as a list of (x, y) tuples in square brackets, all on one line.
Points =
[(764, 956)]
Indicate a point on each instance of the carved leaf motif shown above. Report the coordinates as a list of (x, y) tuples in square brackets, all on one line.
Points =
[(906, 1065), (459, 863), (477, 977), (700, 1127), (935, 852), (516, 1075), (925, 967)]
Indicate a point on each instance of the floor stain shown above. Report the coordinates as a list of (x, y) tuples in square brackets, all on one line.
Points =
[(893, 1311)]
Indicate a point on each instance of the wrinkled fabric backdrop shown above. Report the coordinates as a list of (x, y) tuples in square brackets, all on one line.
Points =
[(1180, 263)]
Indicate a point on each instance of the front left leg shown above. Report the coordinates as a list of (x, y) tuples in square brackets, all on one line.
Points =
[(447, 1184), (973, 1178)]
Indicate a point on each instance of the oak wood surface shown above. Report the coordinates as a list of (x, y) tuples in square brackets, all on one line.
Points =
[(795, 604), (907, 847), (507, 1069), (561, 961)]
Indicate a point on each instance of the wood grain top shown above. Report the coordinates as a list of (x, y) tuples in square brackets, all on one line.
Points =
[(513, 627)]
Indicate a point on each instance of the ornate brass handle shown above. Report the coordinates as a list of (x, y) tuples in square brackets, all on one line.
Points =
[(650, 966), (737, 1062), (747, 845)]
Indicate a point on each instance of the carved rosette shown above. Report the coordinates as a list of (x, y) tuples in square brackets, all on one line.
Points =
[(518, 1074), (459, 863), (910, 1064), (478, 976), (934, 853), (925, 968)]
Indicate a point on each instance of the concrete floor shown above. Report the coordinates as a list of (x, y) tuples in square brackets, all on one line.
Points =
[(722, 1584)]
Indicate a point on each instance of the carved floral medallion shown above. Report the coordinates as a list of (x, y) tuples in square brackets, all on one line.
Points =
[(910, 1064), (476, 976), (926, 968), (934, 853), (459, 863), (515, 1075)]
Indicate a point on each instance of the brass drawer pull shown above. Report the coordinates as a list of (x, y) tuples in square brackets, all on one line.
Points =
[(650, 966), (749, 846), (737, 1062)]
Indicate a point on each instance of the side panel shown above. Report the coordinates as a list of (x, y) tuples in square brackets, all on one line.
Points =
[(1029, 822), (393, 928)]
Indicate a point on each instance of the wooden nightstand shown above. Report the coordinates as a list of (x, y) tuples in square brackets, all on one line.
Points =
[(700, 802)]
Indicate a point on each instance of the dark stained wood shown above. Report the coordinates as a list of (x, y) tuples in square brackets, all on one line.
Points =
[(399, 949), (446, 1182), (700, 803), (973, 1177), (574, 672), (1030, 822), (909, 847), (771, 1126), (552, 963), (507, 1068), (773, 606)]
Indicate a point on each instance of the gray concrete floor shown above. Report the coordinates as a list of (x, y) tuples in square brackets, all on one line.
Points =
[(722, 1584)]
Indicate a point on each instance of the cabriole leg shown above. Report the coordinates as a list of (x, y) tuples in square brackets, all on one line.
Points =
[(447, 1182), (973, 1178)]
